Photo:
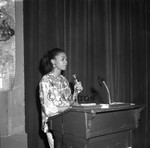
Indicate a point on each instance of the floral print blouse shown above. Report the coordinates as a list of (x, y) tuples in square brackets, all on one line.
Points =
[(54, 91)]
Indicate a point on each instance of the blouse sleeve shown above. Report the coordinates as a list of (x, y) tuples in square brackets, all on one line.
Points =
[(46, 102)]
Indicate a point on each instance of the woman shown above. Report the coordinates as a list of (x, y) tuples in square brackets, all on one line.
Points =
[(55, 93)]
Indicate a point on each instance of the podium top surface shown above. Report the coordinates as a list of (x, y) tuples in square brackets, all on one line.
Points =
[(105, 107), (101, 108)]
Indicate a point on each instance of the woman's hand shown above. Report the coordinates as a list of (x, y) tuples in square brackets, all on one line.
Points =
[(78, 87)]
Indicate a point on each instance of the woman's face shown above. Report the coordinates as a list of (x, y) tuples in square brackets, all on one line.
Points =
[(60, 61)]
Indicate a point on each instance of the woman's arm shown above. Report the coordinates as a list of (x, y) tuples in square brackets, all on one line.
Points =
[(47, 105), (71, 100)]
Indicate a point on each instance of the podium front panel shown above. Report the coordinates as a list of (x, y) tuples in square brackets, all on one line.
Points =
[(82, 127)]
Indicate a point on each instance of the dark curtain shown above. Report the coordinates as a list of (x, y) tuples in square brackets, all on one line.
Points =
[(77, 27), (101, 37)]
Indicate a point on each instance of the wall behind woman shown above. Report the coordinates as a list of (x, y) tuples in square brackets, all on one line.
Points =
[(12, 104), (108, 38)]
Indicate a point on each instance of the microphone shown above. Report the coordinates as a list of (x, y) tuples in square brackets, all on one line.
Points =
[(102, 81)]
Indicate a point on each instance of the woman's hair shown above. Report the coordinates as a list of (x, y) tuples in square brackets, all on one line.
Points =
[(46, 65)]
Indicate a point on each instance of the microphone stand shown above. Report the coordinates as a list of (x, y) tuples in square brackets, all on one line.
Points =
[(100, 81), (109, 98)]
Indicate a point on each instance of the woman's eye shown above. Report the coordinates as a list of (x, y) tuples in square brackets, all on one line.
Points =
[(64, 59)]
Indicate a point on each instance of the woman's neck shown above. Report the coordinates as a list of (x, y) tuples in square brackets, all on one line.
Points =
[(56, 72)]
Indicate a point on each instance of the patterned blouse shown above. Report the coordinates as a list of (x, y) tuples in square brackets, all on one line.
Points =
[(54, 91)]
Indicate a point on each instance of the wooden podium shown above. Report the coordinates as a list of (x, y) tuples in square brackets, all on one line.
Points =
[(96, 127)]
